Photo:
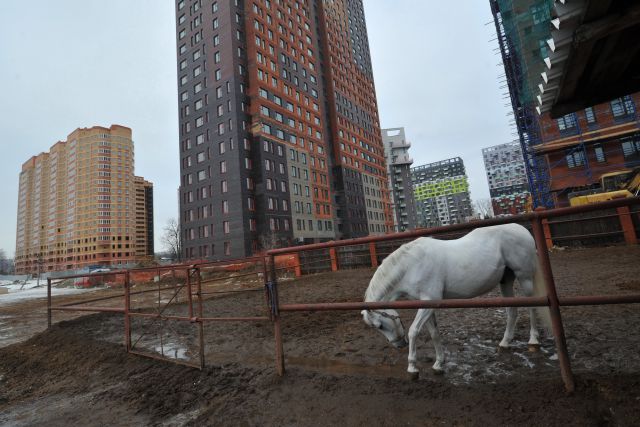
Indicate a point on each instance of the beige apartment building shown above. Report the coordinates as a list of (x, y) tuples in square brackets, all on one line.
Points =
[(80, 205)]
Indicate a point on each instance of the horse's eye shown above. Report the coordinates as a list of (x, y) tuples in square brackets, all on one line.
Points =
[(381, 326)]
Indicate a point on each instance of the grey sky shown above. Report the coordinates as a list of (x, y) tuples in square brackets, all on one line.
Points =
[(79, 63)]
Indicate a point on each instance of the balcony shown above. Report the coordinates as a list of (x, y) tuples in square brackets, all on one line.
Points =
[(400, 144), (402, 159)]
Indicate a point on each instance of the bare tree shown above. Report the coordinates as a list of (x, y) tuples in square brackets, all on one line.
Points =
[(484, 208), (6, 264), (269, 240), (171, 239)]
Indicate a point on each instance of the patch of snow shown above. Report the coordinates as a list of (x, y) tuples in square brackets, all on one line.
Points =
[(525, 359), (29, 290)]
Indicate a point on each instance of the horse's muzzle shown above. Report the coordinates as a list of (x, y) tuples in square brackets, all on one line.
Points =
[(400, 343)]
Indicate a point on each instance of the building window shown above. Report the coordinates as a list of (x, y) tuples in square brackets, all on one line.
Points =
[(567, 122), (631, 147), (575, 158), (225, 207), (622, 106), (225, 227), (599, 152), (227, 248), (590, 115)]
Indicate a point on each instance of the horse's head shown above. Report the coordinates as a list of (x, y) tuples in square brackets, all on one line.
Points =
[(388, 323)]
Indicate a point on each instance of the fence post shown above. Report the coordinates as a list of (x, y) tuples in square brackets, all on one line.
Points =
[(189, 295), (200, 322), (624, 215), (298, 267), (334, 259), (373, 254), (274, 303), (554, 304), (48, 302), (127, 308), (547, 233)]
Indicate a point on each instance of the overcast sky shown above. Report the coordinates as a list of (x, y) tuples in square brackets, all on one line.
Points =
[(66, 64)]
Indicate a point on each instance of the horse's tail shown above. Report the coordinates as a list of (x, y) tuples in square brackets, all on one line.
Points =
[(540, 290)]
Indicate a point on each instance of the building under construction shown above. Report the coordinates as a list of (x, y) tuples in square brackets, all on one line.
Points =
[(569, 72)]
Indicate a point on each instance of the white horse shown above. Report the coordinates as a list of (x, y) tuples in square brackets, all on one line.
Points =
[(431, 269)]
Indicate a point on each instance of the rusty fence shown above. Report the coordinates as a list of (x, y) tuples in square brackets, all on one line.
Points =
[(179, 291), (169, 297), (366, 251)]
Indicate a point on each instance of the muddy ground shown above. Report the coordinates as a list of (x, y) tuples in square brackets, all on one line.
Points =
[(338, 370)]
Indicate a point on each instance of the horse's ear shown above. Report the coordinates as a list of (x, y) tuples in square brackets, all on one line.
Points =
[(365, 317), (370, 320)]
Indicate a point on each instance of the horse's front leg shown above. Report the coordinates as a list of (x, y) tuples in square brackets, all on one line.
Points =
[(422, 317)]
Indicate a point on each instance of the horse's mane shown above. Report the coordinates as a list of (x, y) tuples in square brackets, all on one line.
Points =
[(391, 271)]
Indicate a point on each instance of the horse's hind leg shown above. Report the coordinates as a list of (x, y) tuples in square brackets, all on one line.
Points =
[(534, 343), (424, 316), (432, 326), (506, 289)]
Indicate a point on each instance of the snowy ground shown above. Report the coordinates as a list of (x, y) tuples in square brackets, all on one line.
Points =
[(24, 290)]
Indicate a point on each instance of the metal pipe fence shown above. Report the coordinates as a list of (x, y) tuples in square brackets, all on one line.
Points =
[(192, 282), (538, 222)]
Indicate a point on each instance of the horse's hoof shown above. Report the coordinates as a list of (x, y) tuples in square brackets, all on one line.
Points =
[(502, 349), (534, 348), (413, 376), (438, 371)]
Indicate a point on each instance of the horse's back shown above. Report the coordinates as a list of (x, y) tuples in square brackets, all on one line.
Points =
[(514, 242)]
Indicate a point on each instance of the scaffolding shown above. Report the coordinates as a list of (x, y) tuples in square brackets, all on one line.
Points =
[(523, 28)]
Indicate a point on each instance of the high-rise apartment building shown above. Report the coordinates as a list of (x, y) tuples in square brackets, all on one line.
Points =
[(279, 132), (77, 204), (552, 63), (441, 191), (144, 217), (396, 149), (507, 178)]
